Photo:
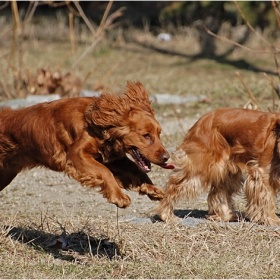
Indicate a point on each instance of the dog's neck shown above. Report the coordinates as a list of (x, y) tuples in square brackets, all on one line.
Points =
[(111, 150), (108, 148)]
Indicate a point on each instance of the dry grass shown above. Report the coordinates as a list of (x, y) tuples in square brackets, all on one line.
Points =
[(163, 67), (98, 249), (103, 248)]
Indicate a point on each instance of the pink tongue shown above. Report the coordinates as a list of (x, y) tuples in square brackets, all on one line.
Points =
[(167, 165)]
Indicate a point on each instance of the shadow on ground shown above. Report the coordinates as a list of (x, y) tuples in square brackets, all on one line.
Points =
[(190, 213), (221, 59), (199, 214), (78, 242)]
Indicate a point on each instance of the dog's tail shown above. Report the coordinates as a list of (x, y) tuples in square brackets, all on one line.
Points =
[(182, 183)]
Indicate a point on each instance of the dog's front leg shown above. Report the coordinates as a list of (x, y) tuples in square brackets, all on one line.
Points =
[(90, 172), (129, 176)]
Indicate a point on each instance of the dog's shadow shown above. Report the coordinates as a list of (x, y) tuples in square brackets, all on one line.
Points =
[(193, 213), (77, 243), (200, 214)]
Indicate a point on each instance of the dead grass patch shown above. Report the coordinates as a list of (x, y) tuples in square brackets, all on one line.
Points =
[(100, 249)]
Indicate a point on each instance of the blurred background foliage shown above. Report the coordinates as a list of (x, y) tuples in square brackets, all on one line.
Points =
[(162, 14), (36, 35)]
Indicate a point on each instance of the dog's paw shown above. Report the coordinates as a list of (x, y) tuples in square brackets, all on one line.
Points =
[(152, 192), (273, 221), (122, 200), (225, 217), (157, 194), (270, 220), (169, 218)]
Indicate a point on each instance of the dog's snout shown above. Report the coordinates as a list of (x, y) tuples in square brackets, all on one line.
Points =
[(165, 157)]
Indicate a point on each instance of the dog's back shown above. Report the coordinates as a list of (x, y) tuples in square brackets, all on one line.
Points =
[(42, 131)]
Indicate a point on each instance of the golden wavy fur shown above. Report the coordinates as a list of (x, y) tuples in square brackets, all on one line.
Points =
[(88, 138), (225, 151)]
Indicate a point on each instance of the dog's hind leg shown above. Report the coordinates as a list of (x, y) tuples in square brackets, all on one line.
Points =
[(220, 201), (183, 182), (226, 180), (220, 204), (260, 197)]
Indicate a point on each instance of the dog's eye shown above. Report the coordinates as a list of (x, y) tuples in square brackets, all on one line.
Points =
[(148, 137)]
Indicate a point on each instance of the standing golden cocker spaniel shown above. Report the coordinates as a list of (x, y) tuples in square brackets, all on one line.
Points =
[(225, 151)]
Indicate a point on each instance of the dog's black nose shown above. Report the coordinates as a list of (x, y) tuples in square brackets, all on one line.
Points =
[(164, 157)]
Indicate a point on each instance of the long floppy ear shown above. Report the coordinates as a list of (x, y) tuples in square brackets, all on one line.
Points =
[(138, 95), (111, 110), (106, 110)]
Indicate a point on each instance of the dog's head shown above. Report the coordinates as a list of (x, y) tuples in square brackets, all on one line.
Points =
[(128, 126), (142, 141)]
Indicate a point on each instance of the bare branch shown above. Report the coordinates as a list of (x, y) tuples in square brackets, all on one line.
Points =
[(254, 30), (273, 90), (178, 119), (105, 15), (233, 42), (277, 65), (248, 90), (276, 12), (89, 49), (17, 41), (72, 34), (106, 24), (72, 10), (30, 12), (3, 6), (55, 5), (86, 20)]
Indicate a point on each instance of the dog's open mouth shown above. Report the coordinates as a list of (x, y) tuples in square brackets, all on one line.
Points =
[(144, 164)]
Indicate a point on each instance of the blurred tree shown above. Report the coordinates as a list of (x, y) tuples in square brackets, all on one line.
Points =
[(161, 13)]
